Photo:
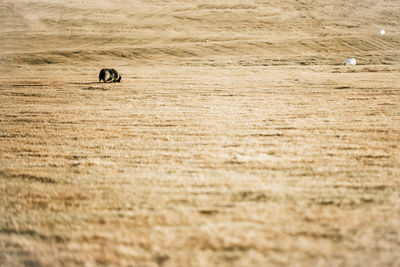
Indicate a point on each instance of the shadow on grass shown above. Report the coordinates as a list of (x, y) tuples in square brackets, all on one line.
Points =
[(85, 83), (28, 177)]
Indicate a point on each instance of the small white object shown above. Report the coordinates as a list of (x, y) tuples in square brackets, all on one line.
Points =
[(382, 32), (350, 61)]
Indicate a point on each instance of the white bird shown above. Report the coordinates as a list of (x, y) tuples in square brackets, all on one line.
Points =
[(350, 61)]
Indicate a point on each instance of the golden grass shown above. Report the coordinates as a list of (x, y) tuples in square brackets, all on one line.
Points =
[(251, 149), (202, 166)]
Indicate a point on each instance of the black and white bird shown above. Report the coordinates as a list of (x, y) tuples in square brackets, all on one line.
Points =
[(109, 75)]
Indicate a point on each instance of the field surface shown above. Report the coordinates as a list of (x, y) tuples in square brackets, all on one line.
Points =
[(236, 137)]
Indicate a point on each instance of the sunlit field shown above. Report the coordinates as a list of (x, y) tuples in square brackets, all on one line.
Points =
[(235, 138)]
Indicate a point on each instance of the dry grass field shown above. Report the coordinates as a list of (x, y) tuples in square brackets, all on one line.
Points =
[(236, 137)]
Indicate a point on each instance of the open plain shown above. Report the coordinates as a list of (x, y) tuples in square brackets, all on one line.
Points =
[(235, 138)]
